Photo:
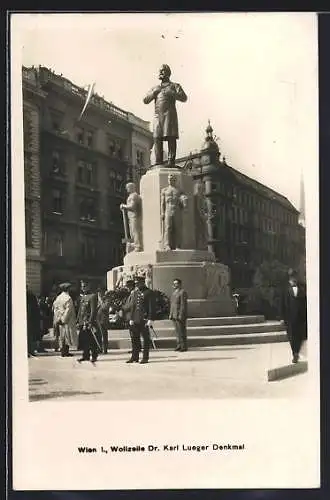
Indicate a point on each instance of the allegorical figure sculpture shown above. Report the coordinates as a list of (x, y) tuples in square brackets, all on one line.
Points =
[(200, 206), (165, 96), (133, 210), (173, 201)]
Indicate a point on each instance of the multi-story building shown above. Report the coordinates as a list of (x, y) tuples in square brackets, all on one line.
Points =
[(248, 223), (84, 165), (33, 100)]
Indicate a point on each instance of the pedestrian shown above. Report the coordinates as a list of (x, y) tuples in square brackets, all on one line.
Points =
[(294, 313), (45, 322), (130, 285), (56, 326), (178, 314), (140, 307), (33, 321), (86, 319), (65, 320), (102, 318)]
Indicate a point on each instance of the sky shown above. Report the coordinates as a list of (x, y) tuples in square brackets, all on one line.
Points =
[(253, 75)]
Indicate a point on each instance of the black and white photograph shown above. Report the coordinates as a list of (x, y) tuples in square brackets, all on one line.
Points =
[(165, 250)]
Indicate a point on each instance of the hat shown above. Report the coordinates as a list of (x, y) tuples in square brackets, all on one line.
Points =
[(130, 282), (292, 273), (138, 279), (64, 286)]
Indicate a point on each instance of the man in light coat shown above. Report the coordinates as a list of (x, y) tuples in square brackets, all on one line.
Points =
[(178, 314), (65, 320)]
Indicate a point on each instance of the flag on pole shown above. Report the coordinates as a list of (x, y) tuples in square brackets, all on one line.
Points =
[(90, 92)]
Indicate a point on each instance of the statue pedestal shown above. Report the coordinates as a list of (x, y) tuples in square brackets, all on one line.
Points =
[(205, 281), (150, 190)]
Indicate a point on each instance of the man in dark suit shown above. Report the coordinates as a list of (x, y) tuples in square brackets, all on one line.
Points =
[(294, 313), (178, 314), (140, 308), (86, 319), (130, 285), (33, 321)]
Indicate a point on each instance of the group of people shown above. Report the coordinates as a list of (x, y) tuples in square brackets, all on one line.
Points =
[(87, 330), (84, 325)]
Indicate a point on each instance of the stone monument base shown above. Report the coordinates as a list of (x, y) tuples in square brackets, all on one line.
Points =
[(206, 281)]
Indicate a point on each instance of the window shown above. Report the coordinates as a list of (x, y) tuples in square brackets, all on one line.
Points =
[(140, 158), (58, 245), (80, 136), (88, 209), (88, 248), (89, 173), (57, 163), (56, 118), (53, 244), (57, 201), (86, 173), (89, 138), (28, 223), (115, 147)]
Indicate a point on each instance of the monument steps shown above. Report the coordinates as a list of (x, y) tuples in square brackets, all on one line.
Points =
[(227, 320), (211, 330), (208, 340)]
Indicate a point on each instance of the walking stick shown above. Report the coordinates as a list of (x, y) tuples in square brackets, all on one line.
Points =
[(94, 336), (153, 336)]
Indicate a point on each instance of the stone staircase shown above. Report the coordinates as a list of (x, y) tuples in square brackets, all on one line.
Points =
[(204, 332), (209, 332)]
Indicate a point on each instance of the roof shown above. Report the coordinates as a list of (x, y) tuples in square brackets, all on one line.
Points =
[(241, 178), (44, 74), (261, 188)]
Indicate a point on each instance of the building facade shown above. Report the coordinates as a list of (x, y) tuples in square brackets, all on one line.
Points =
[(83, 167), (33, 100), (248, 223)]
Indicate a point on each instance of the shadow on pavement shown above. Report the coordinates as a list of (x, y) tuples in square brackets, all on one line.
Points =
[(37, 381), (60, 394), (187, 360), (120, 359)]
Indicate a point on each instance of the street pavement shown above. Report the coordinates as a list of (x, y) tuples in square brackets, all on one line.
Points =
[(200, 373)]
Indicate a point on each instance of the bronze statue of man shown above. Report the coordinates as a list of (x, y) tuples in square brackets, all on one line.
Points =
[(173, 201), (133, 208), (166, 119)]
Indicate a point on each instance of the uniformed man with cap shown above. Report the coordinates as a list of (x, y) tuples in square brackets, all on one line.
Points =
[(86, 319), (141, 310)]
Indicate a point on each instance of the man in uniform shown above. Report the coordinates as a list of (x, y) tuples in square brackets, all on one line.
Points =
[(140, 307), (87, 324), (166, 119)]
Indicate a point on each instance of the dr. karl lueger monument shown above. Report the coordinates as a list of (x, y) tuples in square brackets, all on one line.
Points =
[(169, 243)]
